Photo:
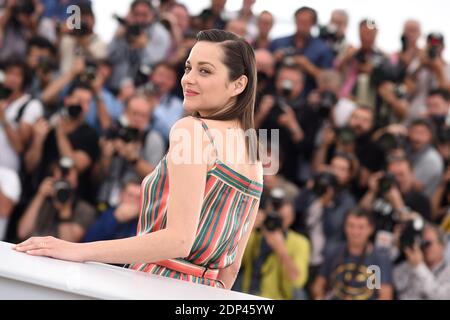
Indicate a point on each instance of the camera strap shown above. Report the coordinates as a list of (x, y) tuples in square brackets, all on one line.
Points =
[(21, 110)]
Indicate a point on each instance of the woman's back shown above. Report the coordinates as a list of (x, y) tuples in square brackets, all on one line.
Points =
[(229, 200)]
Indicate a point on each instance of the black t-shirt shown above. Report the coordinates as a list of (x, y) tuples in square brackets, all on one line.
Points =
[(419, 203), (84, 138), (289, 150)]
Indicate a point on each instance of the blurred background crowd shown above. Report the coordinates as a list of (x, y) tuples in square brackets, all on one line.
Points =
[(360, 206)]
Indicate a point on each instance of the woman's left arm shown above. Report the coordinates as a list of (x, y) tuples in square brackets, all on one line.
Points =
[(186, 189)]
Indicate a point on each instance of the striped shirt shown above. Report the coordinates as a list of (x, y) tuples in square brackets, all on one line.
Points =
[(228, 201)]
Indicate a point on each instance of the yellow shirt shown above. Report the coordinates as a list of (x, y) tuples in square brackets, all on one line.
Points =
[(275, 283)]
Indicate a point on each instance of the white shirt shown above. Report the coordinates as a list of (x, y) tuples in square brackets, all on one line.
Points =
[(33, 111), (11, 189)]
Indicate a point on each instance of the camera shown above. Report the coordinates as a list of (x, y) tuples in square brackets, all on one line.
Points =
[(46, 65), (388, 142), (322, 181), (435, 40), (328, 100), (5, 92), (132, 30), (346, 135), (90, 71), (143, 75), (384, 215), (63, 189), (328, 33), (385, 183), (72, 111), (412, 234), (273, 220), (124, 132)]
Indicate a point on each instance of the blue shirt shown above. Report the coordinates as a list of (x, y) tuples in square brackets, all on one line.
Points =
[(169, 110), (315, 49), (108, 228), (114, 107)]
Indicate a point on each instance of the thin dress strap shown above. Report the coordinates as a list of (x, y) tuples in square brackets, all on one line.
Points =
[(208, 133)]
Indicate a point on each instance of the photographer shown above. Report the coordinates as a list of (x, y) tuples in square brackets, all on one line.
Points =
[(56, 210), (131, 149), (310, 53), (264, 24), (438, 106), (345, 273), (334, 33), (275, 260), (42, 60), (355, 138), (432, 72), (297, 122), (18, 113), (425, 275), (121, 221), (169, 108), (265, 68), (321, 209), (66, 134), (364, 69), (394, 193), (19, 21), (140, 40), (81, 41), (427, 162)]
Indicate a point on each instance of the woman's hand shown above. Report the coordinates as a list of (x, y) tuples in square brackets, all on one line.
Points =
[(53, 248)]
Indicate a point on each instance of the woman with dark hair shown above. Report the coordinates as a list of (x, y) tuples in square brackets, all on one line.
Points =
[(196, 227)]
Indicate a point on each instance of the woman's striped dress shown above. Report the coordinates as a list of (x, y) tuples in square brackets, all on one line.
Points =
[(228, 201)]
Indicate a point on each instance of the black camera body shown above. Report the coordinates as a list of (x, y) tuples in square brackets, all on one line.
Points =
[(125, 133), (388, 142), (273, 220), (412, 234), (385, 183), (132, 30), (328, 100), (72, 111), (322, 181), (5, 92), (63, 189), (328, 33), (346, 135)]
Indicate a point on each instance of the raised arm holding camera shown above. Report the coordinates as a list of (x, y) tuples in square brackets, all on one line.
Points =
[(56, 208), (275, 262), (130, 149), (140, 40), (66, 134), (425, 275)]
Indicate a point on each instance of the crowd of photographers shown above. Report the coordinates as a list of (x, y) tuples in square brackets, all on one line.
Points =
[(360, 206)]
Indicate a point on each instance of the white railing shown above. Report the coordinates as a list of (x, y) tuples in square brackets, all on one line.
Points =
[(28, 277)]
